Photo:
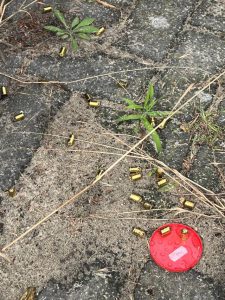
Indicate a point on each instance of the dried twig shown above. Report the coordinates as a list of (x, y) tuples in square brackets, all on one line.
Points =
[(105, 4)]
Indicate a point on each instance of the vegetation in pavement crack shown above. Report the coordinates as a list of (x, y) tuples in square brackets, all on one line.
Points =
[(146, 115), (78, 29), (205, 130)]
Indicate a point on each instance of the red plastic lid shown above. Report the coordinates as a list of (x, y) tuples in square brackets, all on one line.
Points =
[(176, 247)]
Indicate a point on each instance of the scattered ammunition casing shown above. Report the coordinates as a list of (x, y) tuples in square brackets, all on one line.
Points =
[(3, 91), (147, 205), (138, 232), (162, 182), (87, 96), (122, 83), (101, 30), (186, 203), (135, 170), (165, 230), (184, 233), (189, 204), (12, 192), (94, 103), (47, 9), (136, 198), (19, 117), (160, 172), (62, 52), (71, 140), (135, 177)]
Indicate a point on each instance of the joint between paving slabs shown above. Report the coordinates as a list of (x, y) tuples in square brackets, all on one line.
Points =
[(174, 42)]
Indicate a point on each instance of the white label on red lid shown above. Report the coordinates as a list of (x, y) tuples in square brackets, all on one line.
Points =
[(178, 253)]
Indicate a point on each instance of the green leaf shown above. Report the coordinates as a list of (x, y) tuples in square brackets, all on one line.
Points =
[(149, 98), (132, 104), (60, 17), (154, 134), (129, 118), (61, 33), (76, 21), (84, 36), (86, 29), (54, 29), (74, 44), (85, 22), (65, 36), (156, 113)]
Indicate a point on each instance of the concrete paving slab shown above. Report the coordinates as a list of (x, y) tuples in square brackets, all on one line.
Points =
[(211, 15), (153, 27), (155, 283)]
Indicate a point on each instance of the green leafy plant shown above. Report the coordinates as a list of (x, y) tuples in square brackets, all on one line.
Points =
[(145, 115), (78, 29)]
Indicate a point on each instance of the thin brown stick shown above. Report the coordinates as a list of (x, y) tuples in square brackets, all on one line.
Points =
[(105, 4)]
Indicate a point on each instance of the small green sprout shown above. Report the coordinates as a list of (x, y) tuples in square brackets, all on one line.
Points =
[(146, 114), (77, 29)]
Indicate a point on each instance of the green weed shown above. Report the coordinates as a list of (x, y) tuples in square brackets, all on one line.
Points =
[(205, 129), (145, 114), (78, 29)]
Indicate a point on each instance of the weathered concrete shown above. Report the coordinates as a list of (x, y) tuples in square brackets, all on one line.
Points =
[(210, 15), (155, 283), (153, 27), (39, 106)]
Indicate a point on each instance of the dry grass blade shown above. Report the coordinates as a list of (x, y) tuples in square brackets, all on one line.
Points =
[(5, 257), (105, 4), (2, 10), (22, 8), (164, 67)]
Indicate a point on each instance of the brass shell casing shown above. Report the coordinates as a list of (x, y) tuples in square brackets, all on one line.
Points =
[(136, 198), (138, 232), (135, 177), (94, 103), (162, 182), (187, 203), (19, 117), (4, 91), (62, 51), (12, 192), (135, 170), (147, 205), (165, 230), (47, 9), (101, 30)]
